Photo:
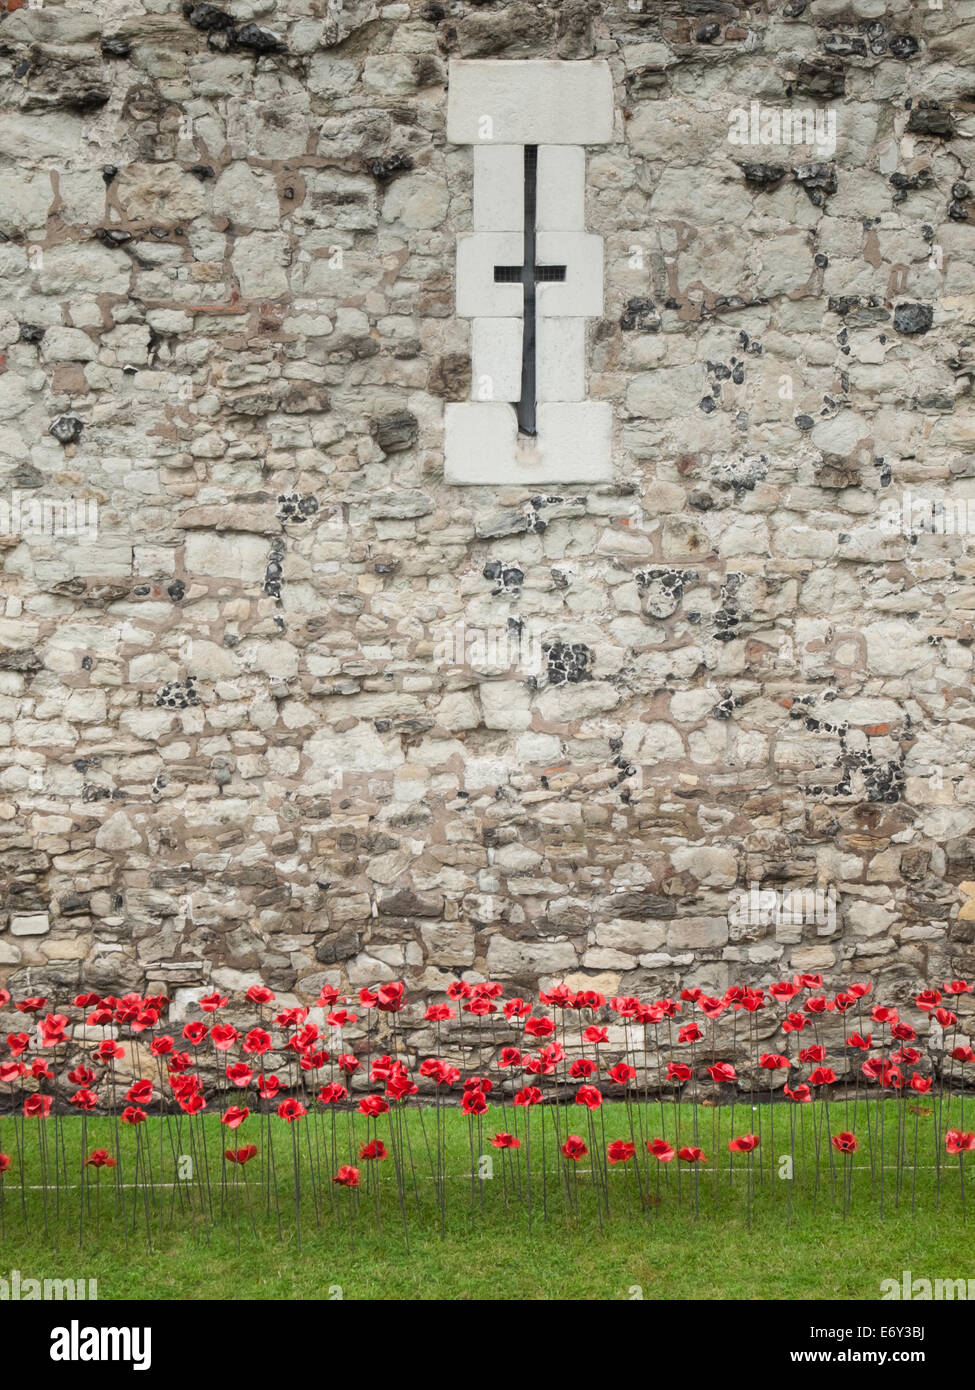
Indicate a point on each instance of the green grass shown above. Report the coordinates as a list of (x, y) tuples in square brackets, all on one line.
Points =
[(649, 1240)]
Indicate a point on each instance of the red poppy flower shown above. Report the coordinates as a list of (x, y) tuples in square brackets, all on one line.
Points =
[(958, 987), (864, 1043), (400, 1085), (773, 1061), (903, 1032), (744, 1143), (268, 1086), (162, 1046), (474, 1103), (690, 1154), (596, 1035), (223, 1036), (812, 1054), (239, 1074), (661, 1150), (528, 1095), (439, 1013), (11, 1071), (622, 1074), (332, 1093), (845, 1142), (195, 1033), (339, 1018), (260, 994), (291, 1110), (794, 1023), (291, 1018), (590, 1096), (589, 999), (488, 989), (517, 1008), (140, 1093), (510, 1057), (4, 997), (374, 1149), (82, 1076), (575, 1147), (348, 1063), (18, 1043), (921, 1084), (52, 1030), (480, 1008), (819, 1004), (459, 989), (347, 1176), (233, 1117), (39, 1106), (313, 1061), (241, 1156), (582, 1067), (822, 1076), (928, 999), (880, 1013), (957, 1143), (39, 1069), (390, 998), (722, 1073), (505, 1141), (180, 1062), (801, 1095), (783, 990), (713, 1008), (963, 1053), (540, 1027), (99, 1158), (257, 1042), (373, 1106), (619, 1151), (30, 1006), (210, 1003), (328, 996), (85, 1099), (945, 1017), (679, 1072), (132, 1115)]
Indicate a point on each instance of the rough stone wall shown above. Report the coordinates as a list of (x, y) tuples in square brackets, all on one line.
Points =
[(230, 742)]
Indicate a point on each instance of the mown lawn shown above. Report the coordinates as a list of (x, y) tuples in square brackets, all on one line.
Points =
[(673, 1231)]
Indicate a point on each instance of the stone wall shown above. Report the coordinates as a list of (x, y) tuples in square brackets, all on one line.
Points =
[(233, 742)]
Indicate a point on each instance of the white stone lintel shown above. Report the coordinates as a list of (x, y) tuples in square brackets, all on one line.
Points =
[(529, 102)]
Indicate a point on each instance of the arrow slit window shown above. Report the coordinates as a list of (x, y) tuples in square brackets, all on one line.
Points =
[(529, 276)]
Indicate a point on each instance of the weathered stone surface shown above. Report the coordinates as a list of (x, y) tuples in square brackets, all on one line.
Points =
[(299, 708)]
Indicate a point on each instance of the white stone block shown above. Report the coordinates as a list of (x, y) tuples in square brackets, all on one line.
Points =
[(477, 294), (560, 360), (482, 444), (496, 346), (30, 924), (576, 438), (580, 294), (533, 102), (560, 199), (499, 188)]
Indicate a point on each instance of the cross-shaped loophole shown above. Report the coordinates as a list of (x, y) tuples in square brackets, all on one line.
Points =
[(528, 274)]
